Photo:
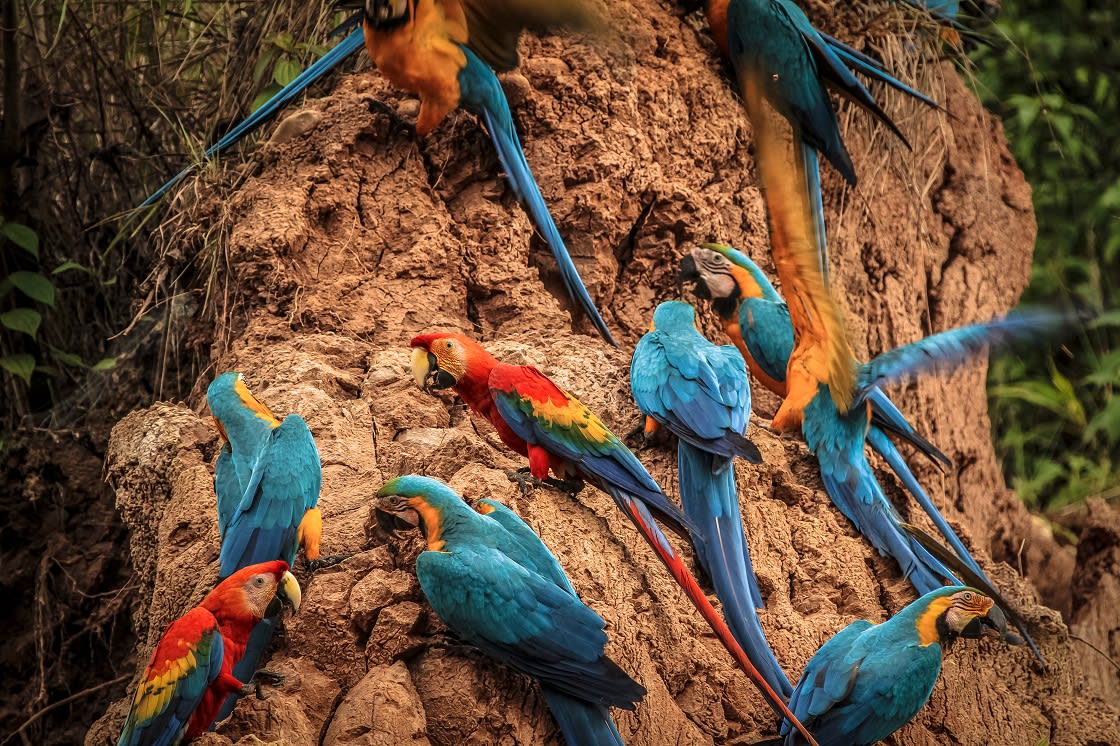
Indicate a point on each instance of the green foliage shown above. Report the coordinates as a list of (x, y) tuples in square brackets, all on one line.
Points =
[(1055, 416)]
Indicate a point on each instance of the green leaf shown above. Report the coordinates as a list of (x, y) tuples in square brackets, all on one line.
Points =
[(21, 236), (107, 363), (24, 320), (285, 72), (21, 365), (67, 266), (34, 286), (67, 358)]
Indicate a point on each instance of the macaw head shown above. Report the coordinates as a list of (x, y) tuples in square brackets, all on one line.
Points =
[(674, 316), (956, 611), (255, 592), (725, 276), (443, 359), (415, 501), (236, 411), (381, 15)]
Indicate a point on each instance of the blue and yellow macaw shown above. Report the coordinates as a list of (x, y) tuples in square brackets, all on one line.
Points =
[(267, 492), (559, 435), (869, 680), (700, 392), (493, 581), (827, 391), (773, 41), (447, 51)]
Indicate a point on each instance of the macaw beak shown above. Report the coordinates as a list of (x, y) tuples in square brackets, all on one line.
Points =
[(288, 595), (688, 278), (994, 623), (426, 371), (392, 521)]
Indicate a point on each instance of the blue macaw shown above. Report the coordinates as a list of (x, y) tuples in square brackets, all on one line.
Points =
[(700, 392), (493, 581), (773, 41), (267, 494), (869, 680), (837, 438), (446, 51)]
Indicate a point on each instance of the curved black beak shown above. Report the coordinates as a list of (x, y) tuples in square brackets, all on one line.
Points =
[(688, 277), (391, 523)]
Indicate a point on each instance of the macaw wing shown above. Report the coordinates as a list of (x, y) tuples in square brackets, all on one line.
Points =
[(768, 334), (820, 339), (284, 485), (228, 488), (527, 549), (543, 414), (520, 618), (873, 68), (949, 349), (186, 660), (829, 676), (493, 26)]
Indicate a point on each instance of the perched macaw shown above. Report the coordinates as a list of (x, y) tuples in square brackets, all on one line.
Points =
[(557, 433), (446, 51), (267, 493), (757, 319), (191, 670), (700, 392), (774, 42), (501, 589), (869, 680)]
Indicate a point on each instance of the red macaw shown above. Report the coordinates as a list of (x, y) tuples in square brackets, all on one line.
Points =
[(191, 670), (558, 434)]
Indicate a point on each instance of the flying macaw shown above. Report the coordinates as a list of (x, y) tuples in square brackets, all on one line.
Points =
[(700, 392), (757, 319), (557, 433), (191, 670), (827, 391), (869, 680), (495, 584), (447, 51), (267, 493), (774, 42)]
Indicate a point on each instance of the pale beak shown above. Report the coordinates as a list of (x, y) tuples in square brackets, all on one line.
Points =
[(288, 593), (421, 366)]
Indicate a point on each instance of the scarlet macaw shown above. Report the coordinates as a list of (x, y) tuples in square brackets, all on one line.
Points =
[(557, 433), (494, 582), (869, 680), (772, 41), (447, 51), (700, 392), (267, 493), (191, 670)]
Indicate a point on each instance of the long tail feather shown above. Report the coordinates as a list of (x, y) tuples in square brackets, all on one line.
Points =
[(482, 96), (950, 349), (874, 69), (885, 448), (812, 167), (710, 498), (325, 64), (935, 548), (643, 521), (582, 723), (885, 415)]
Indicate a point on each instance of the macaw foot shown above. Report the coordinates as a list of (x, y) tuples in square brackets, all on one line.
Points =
[(457, 648), (637, 430), (524, 480), (318, 564), (570, 487), (260, 679), (397, 122)]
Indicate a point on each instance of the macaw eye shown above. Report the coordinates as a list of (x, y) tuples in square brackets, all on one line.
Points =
[(967, 596), (449, 344), (258, 580)]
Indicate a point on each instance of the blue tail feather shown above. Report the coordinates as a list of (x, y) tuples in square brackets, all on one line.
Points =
[(885, 448), (874, 69), (482, 95), (325, 64), (711, 500), (581, 722), (887, 416), (812, 165)]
